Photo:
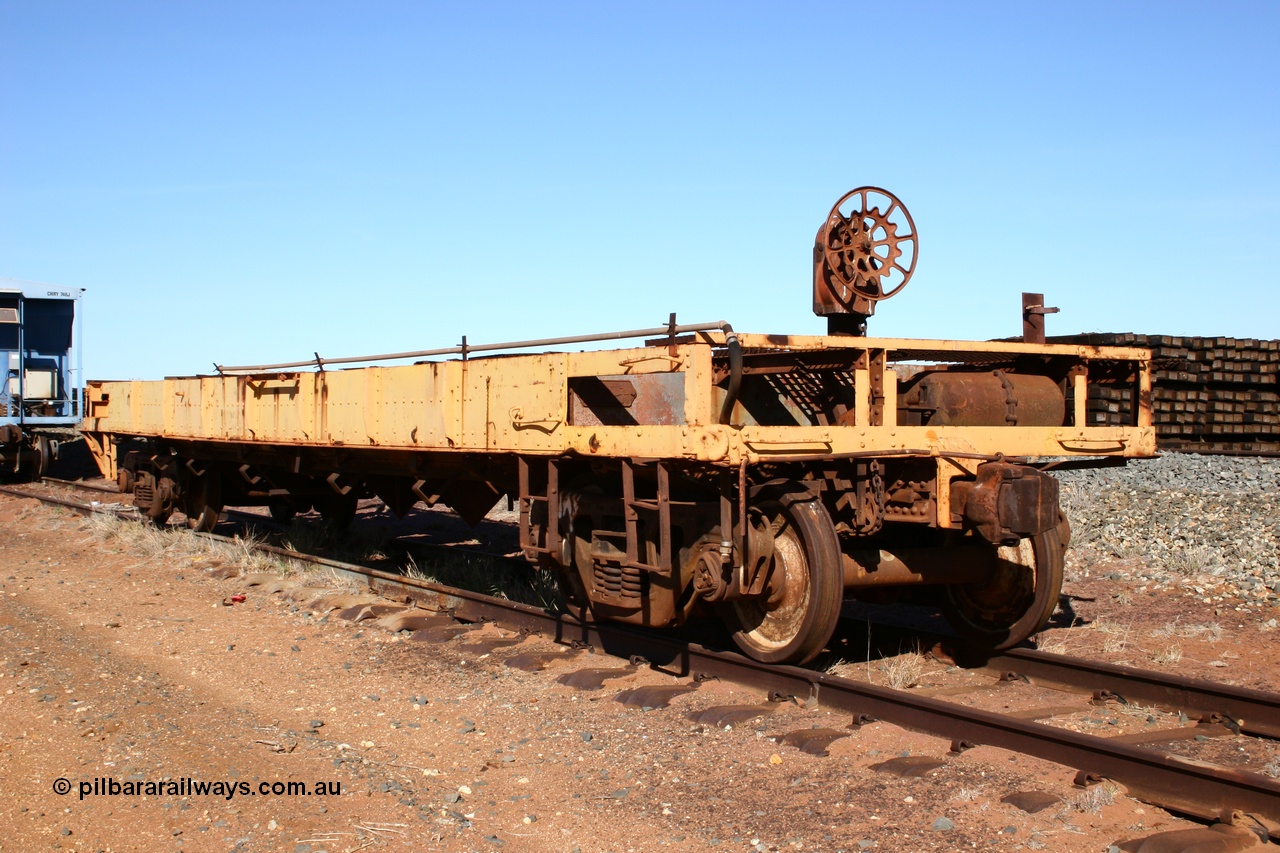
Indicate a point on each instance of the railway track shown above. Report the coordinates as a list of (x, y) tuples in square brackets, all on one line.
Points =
[(1144, 764)]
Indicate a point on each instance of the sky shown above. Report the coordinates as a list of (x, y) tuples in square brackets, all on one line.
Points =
[(254, 182)]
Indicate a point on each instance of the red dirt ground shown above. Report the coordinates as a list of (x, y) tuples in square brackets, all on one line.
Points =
[(141, 669)]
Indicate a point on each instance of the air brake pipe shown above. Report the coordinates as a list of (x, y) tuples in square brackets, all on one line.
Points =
[(735, 373), (468, 349)]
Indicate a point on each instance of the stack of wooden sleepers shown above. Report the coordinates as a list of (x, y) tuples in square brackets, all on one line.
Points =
[(1212, 394)]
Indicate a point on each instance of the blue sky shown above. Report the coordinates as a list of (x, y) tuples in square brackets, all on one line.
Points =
[(253, 182)]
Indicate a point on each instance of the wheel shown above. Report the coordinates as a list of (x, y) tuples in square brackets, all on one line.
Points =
[(203, 503), (1019, 598), (203, 520), (794, 619), (574, 563), (338, 511), (33, 463), (163, 500), (572, 590), (44, 456), (282, 510)]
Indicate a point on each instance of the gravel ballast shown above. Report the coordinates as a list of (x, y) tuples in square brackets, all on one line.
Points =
[(1179, 519)]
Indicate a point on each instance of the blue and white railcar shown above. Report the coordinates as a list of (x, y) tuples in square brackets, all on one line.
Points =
[(43, 379)]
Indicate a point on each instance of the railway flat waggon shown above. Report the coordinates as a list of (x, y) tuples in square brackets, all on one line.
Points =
[(40, 355), (699, 471)]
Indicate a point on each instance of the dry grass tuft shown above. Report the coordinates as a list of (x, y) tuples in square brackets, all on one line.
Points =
[(1114, 644), (1053, 647), (481, 573), (475, 572), (1191, 560), (1211, 632), (903, 671), (1095, 798), (178, 545)]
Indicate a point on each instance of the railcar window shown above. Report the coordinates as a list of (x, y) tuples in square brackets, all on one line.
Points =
[(48, 324)]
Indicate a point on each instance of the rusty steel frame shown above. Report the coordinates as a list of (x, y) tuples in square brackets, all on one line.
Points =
[(381, 414), (354, 408)]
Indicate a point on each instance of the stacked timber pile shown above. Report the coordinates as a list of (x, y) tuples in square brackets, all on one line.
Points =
[(1208, 394)]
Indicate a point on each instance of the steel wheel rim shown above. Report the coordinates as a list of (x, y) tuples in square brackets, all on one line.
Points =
[(772, 625)]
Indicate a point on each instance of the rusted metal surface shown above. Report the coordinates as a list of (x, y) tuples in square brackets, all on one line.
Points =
[(83, 509), (520, 404), (865, 251), (1253, 711), (654, 399), (1219, 838), (1006, 502), (1033, 313), (1155, 777), (997, 398), (630, 444), (92, 487), (1152, 776), (865, 568)]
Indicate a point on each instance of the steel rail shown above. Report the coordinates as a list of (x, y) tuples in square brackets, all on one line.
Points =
[(1184, 785), (83, 509), (1169, 781), (1256, 712), (76, 484), (1253, 712)]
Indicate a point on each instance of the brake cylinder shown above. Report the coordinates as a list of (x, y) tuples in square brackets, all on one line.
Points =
[(996, 398)]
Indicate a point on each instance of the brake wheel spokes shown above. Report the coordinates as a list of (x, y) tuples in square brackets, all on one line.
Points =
[(870, 253)]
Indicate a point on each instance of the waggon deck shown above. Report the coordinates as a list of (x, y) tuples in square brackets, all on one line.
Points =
[(654, 401)]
